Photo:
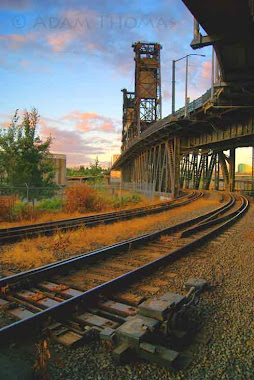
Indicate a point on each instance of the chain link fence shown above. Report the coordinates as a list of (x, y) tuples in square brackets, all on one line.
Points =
[(32, 194)]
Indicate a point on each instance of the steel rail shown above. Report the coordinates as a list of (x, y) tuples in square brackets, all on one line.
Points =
[(66, 307), (211, 221), (47, 270), (17, 233)]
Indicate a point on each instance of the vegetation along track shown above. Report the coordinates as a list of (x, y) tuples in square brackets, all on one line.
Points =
[(12, 234), (71, 290)]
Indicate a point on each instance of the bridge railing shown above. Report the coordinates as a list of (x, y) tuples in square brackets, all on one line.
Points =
[(194, 105)]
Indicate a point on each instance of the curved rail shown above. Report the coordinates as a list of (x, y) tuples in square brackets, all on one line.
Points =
[(12, 234), (66, 307)]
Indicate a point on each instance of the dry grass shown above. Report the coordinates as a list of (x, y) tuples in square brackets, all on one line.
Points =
[(42, 250), (52, 216), (47, 217), (58, 215), (6, 204)]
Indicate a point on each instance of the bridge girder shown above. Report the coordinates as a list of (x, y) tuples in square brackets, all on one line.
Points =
[(230, 28)]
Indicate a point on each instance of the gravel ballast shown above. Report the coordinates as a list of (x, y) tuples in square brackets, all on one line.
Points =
[(31, 253), (225, 348)]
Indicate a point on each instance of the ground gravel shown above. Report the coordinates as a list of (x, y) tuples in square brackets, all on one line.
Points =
[(67, 248), (224, 347)]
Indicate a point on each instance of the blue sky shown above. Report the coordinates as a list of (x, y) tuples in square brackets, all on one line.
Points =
[(70, 59)]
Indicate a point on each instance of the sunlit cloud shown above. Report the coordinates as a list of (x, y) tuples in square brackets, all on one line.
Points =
[(74, 144), (91, 121)]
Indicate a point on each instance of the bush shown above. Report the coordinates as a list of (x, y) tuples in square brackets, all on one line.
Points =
[(6, 205), (82, 198), (118, 202), (135, 198), (53, 204), (25, 211), (22, 211)]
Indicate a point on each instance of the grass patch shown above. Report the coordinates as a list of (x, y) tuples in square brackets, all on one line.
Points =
[(42, 250), (79, 200), (54, 204)]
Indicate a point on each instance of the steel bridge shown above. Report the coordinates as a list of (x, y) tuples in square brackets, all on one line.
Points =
[(187, 151)]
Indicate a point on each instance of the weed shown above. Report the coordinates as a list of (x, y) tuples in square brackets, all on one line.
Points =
[(81, 198), (54, 204), (42, 250), (6, 205)]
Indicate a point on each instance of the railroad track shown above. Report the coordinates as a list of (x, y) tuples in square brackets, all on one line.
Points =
[(12, 234), (102, 288)]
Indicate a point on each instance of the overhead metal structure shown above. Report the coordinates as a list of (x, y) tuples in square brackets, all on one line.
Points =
[(189, 151), (229, 25), (147, 84), (128, 116)]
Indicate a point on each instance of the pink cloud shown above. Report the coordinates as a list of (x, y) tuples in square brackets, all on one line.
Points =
[(83, 31), (78, 150), (4, 117), (166, 94), (5, 124), (206, 70), (15, 4), (91, 121), (24, 63), (16, 41), (58, 41)]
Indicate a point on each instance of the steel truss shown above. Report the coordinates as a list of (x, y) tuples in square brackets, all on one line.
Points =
[(168, 170)]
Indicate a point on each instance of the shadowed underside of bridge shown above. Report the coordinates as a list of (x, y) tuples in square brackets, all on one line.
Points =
[(181, 151), (230, 29)]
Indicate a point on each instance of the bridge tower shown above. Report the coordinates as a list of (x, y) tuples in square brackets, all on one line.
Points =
[(128, 117), (147, 84)]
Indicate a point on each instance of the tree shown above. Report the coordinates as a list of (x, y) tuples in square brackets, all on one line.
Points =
[(95, 169), (24, 158)]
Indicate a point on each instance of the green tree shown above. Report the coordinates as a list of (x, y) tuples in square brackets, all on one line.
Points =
[(24, 158), (95, 169)]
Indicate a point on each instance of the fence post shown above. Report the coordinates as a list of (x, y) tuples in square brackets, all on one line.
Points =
[(27, 192)]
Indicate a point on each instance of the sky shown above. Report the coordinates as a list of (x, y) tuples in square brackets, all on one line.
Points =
[(70, 60)]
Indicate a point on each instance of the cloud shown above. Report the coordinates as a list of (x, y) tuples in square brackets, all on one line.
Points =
[(5, 119), (13, 40), (166, 94), (58, 41), (19, 41), (15, 4), (201, 82), (91, 121), (206, 70), (25, 64), (74, 144), (5, 124), (91, 29)]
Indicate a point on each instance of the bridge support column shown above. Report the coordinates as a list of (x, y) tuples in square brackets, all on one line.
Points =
[(224, 169), (231, 162), (173, 150), (184, 171), (205, 171), (209, 171), (217, 174), (252, 173), (177, 166)]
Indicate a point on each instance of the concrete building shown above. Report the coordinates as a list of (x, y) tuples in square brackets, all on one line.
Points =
[(59, 162), (244, 168), (115, 175)]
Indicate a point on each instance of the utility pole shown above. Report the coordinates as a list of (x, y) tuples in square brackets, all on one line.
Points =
[(186, 82), (217, 70), (173, 86), (212, 78), (186, 87)]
